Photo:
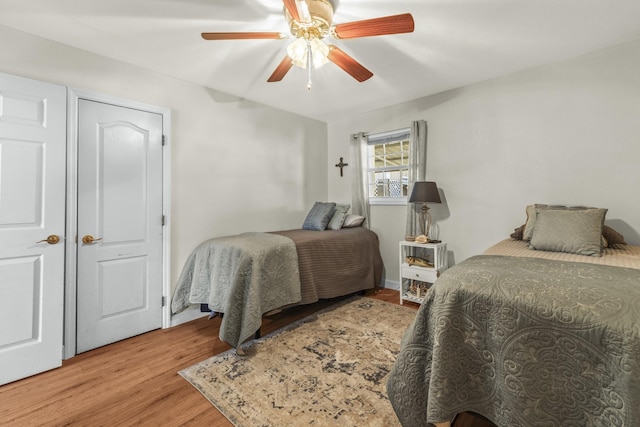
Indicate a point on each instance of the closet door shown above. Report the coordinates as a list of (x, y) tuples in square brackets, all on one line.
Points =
[(119, 289), (32, 225)]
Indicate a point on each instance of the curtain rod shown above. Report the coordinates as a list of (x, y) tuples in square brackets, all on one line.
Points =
[(384, 134), (390, 132)]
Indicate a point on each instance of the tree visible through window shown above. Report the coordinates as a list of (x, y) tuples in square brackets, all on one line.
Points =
[(388, 163)]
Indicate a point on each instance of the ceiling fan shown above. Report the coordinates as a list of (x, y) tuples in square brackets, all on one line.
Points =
[(310, 21)]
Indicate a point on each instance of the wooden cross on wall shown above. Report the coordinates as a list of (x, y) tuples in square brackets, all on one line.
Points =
[(341, 165)]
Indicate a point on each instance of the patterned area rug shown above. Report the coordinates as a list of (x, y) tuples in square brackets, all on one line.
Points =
[(327, 369)]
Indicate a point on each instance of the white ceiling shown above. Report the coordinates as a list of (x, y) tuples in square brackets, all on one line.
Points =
[(455, 43)]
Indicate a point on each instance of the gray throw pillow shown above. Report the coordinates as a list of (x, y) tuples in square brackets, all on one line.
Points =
[(572, 231), (319, 216), (338, 217)]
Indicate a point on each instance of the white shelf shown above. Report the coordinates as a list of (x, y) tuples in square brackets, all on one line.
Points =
[(407, 297), (434, 253)]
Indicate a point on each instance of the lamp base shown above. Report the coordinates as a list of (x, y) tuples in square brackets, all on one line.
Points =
[(425, 220)]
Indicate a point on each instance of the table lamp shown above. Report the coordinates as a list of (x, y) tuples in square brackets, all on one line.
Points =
[(425, 192)]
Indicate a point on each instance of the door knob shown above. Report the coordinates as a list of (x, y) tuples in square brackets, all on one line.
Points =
[(52, 239), (88, 239)]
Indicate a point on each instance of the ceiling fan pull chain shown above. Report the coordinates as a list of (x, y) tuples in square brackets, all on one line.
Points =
[(309, 62)]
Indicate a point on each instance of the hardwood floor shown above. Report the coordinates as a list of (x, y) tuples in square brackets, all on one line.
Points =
[(135, 381)]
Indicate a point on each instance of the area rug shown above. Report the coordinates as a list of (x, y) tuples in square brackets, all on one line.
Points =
[(328, 369)]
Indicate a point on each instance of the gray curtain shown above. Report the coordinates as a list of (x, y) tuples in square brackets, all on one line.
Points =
[(359, 193), (417, 171)]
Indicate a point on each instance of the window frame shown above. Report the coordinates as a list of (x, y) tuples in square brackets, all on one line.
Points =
[(389, 137)]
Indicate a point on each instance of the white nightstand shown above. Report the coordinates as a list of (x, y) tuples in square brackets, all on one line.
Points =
[(434, 253)]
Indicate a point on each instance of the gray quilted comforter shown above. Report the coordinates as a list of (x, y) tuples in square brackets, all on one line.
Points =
[(524, 342), (242, 276)]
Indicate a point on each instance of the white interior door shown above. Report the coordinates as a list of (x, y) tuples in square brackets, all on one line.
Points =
[(32, 209), (119, 269)]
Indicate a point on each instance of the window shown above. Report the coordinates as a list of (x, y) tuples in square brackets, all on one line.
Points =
[(388, 166)]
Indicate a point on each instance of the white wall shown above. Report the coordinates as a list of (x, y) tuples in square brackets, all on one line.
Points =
[(567, 133), (236, 165)]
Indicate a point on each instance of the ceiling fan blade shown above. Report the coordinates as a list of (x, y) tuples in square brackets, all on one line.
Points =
[(292, 8), (298, 10), (243, 36), (282, 69), (395, 24), (348, 64)]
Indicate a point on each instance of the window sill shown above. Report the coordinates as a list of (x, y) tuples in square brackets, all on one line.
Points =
[(395, 201)]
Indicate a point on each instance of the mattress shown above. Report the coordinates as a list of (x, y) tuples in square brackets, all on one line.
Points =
[(620, 256)]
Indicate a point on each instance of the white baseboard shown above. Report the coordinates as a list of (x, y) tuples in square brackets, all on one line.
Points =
[(392, 284), (187, 315)]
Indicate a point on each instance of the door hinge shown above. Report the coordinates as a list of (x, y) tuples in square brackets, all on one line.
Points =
[(163, 220), (164, 140), (164, 301)]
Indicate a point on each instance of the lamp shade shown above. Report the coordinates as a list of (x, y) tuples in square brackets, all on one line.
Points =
[(424, 192)]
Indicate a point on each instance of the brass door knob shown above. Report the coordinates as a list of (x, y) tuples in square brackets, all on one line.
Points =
[(88, 239), (52, 239)]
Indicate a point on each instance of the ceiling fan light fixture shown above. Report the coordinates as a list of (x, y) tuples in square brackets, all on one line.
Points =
[(319, 53), (298, 51)]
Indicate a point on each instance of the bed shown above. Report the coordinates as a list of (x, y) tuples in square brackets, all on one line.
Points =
[(526, 338), (250, 274)]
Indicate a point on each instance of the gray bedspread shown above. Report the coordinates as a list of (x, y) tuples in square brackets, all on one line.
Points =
[(524, 342), (242, 276)]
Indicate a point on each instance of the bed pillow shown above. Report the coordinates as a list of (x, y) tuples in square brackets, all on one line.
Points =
[(337, 220), (353, 220), (612, 236), (527, 232), (572, 231), (518, 232), (319, 216), (534, 210)]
